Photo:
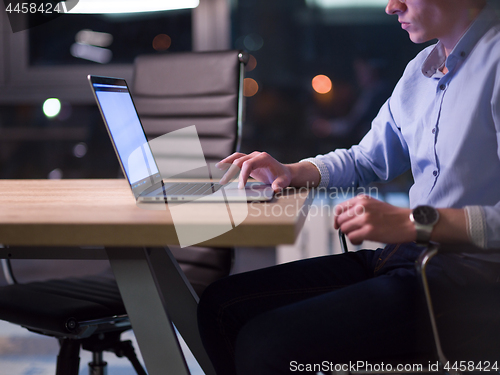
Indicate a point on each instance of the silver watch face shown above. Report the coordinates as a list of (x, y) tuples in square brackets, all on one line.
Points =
[(425, 215)]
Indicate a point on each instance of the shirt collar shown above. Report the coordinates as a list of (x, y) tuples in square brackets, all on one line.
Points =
[(437, 58)]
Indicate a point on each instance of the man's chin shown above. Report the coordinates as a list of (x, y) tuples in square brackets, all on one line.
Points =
[(418, 39)]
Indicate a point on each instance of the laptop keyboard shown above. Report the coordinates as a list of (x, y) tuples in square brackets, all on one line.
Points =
[(191, 188)]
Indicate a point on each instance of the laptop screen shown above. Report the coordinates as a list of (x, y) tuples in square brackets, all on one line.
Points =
[(126, 132)]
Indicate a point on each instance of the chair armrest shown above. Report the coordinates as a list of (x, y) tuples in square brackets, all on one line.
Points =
[(425, 256), (421, 264), (7, 272)]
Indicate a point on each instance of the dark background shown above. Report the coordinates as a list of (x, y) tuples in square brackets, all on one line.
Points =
[(291, 43)]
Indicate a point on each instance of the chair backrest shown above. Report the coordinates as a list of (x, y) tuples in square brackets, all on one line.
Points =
[(176, 90)]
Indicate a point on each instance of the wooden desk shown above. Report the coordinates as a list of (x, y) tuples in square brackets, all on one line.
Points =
[(45, 217)]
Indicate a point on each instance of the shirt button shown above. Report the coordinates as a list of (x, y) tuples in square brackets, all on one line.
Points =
[(434, 131), (442, 87), (435, 173), (462, 54)]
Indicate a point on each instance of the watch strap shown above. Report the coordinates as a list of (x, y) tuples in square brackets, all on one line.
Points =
[(423, 233)]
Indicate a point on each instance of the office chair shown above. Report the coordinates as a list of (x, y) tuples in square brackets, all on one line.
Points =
[(171, 91), (487, 341), (81, 312), (177, 90)]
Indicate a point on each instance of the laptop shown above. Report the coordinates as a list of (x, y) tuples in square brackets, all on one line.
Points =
[(138, 162)]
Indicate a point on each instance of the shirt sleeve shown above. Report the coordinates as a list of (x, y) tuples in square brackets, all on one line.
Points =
[(476, 225), (483, 222), (380, 156), (492, 213), (322, 169)]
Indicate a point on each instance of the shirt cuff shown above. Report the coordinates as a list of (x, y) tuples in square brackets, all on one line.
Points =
[(323, 171), (476, 225)]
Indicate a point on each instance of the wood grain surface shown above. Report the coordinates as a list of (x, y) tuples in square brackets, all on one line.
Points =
[(105, 213)]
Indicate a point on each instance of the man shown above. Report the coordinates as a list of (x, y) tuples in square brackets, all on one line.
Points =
[(443, 122)]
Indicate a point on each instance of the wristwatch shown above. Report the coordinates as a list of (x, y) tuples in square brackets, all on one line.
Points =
[(424, 218)]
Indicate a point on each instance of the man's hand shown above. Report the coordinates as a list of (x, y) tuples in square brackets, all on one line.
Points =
[(261, 166), (365, 218)]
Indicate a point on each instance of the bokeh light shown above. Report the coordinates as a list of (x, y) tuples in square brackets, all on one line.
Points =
[(55, 174), (51, 107), (321, 84), (253, 42), (250, 87), (162, 42), (94, 38), (80, 150), (251, 64)]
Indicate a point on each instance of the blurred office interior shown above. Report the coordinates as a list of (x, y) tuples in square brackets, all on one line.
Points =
[(290, 42), (318, 70)]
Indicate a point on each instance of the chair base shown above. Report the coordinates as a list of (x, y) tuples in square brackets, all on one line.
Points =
[(68, 360)]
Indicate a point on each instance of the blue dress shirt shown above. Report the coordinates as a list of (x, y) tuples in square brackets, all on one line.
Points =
[(445, 127)]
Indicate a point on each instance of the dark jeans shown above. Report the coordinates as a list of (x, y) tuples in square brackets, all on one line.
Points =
[(365, 305)]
